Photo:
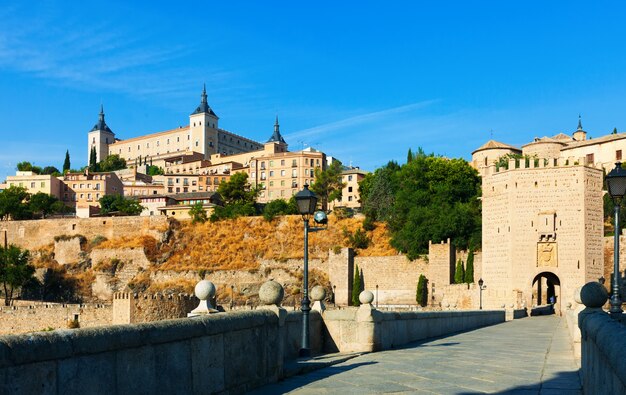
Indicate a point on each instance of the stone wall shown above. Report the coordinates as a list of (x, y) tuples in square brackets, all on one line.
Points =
[(603, 366), (33, 234), (220, 353), (441, 260), (131, 308), (38, 317), (67, 251)]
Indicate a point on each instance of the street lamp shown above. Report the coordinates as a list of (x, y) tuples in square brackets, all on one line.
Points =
[(481, 287), (376, 295), (232, 295), (616, 184), (307, 202)]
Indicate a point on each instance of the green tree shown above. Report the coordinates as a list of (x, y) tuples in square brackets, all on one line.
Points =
[(328, 185), (614, 131), (237, 190), (93, 160), (198, 213), (117, 203), (436, 199), (111, 163), (42, 203), (24, 166), (50, 170), (459, 273), (356, 286), (154, 171), (15, 270), (409, 156), (421, 293), (14, 203), (380, 197), (67, 164), (279, 207), (469, 267)]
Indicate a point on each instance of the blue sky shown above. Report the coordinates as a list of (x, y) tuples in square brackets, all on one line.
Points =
[(363, 81)]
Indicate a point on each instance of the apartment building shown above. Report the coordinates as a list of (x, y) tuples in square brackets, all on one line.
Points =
[(84, 190), (35, 183)]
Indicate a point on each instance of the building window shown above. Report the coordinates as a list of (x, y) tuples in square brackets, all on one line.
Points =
[(271, 171), (271, 183), (590, 160), (43, 184), (349, 189), (271, 163), (282, 162), (32, 184), (283, 173), (349, 198), (618, 154), (350, 179), (294, 163), (282, 183)]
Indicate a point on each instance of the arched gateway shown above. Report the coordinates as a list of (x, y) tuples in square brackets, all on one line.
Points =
[(547, 289)]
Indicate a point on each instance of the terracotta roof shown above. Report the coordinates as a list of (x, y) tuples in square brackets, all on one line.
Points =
[(492, 144), (563, 137), (544, 140)]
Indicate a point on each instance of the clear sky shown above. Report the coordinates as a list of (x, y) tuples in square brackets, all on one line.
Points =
[(363, 81)]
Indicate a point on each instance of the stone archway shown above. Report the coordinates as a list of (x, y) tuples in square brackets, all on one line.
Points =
[(545, 287)]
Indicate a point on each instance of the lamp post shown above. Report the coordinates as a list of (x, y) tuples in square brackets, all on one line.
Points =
[(307, 201), (232, 295), (616, 184), (481, 287)]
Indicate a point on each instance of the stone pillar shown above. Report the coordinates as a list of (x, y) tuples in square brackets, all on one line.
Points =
[(271, 295), (340, 274)]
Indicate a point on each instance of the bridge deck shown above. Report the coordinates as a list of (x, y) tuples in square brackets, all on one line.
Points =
[(525, 356)]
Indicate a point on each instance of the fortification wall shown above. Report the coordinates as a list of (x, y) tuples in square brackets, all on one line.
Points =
[(33, 234), (135, 255), (38, 317), (395, 276), (441, 260)]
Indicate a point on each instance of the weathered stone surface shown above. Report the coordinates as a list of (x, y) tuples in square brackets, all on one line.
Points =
[(366, 297), (136, 371), (204, 290), (174, 367), (34, 378), (271, 292), (90, 374), (207, 364), (594, 295), (318, 293)]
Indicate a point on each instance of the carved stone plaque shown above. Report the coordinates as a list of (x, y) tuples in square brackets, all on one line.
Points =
[(547, 254)]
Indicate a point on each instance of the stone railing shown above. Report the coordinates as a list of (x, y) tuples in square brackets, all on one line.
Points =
[(603, 344), (367, 329)]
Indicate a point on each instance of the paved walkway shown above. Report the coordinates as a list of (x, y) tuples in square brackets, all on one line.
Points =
[(525, 356)]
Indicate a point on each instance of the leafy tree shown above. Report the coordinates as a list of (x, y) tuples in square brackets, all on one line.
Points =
[(459, 273), (469, 268), (279, 207), (66, 163), (328, 185), (356, 286), (421, 293), (436, 199), (15, 270), (42, 203), (111, 163), (233, 210), (154, 171), (14, 203), (409, 156), (50, 170), (358, 239), (378, 204), (117, 203), (24, 166), (237, 190), (197, 213), (93, 160)]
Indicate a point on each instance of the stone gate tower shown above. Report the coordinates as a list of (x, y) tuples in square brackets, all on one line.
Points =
[(542, 230)]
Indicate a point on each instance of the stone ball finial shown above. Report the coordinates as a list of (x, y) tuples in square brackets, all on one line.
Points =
[(271, 292), (366, 297), (594, 295), (577, 295), (204, 290), (318, 293)]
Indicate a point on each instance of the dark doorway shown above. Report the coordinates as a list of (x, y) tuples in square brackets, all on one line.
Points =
[(546, 294)]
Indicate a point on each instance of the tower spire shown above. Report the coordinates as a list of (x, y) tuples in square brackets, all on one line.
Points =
[(276, 137), (580, 124), (101, 124), (276, 126), (204, 105), (101, 115)]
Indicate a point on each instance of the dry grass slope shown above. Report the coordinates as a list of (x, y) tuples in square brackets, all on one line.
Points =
[(238, 244)]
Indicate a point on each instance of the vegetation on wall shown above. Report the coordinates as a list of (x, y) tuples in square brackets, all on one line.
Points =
[(239, 198), (119, 204), (356, 286), (469, 267), (459, 273), (328, 185), (198, 213)]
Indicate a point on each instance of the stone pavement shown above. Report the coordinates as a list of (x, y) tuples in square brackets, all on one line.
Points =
[(524, 356)]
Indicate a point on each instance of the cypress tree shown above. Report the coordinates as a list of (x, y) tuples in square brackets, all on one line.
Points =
[(356, 287), (459, 273), (469, 268), (421, 294), (409, 156), (614, 130), (93, 161), (66, 164)]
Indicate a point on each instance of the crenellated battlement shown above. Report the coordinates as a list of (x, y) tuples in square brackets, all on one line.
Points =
[(146, 296), (516, 164)]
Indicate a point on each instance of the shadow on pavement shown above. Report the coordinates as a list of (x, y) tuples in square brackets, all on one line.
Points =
[(563, 383), (295, 382)]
